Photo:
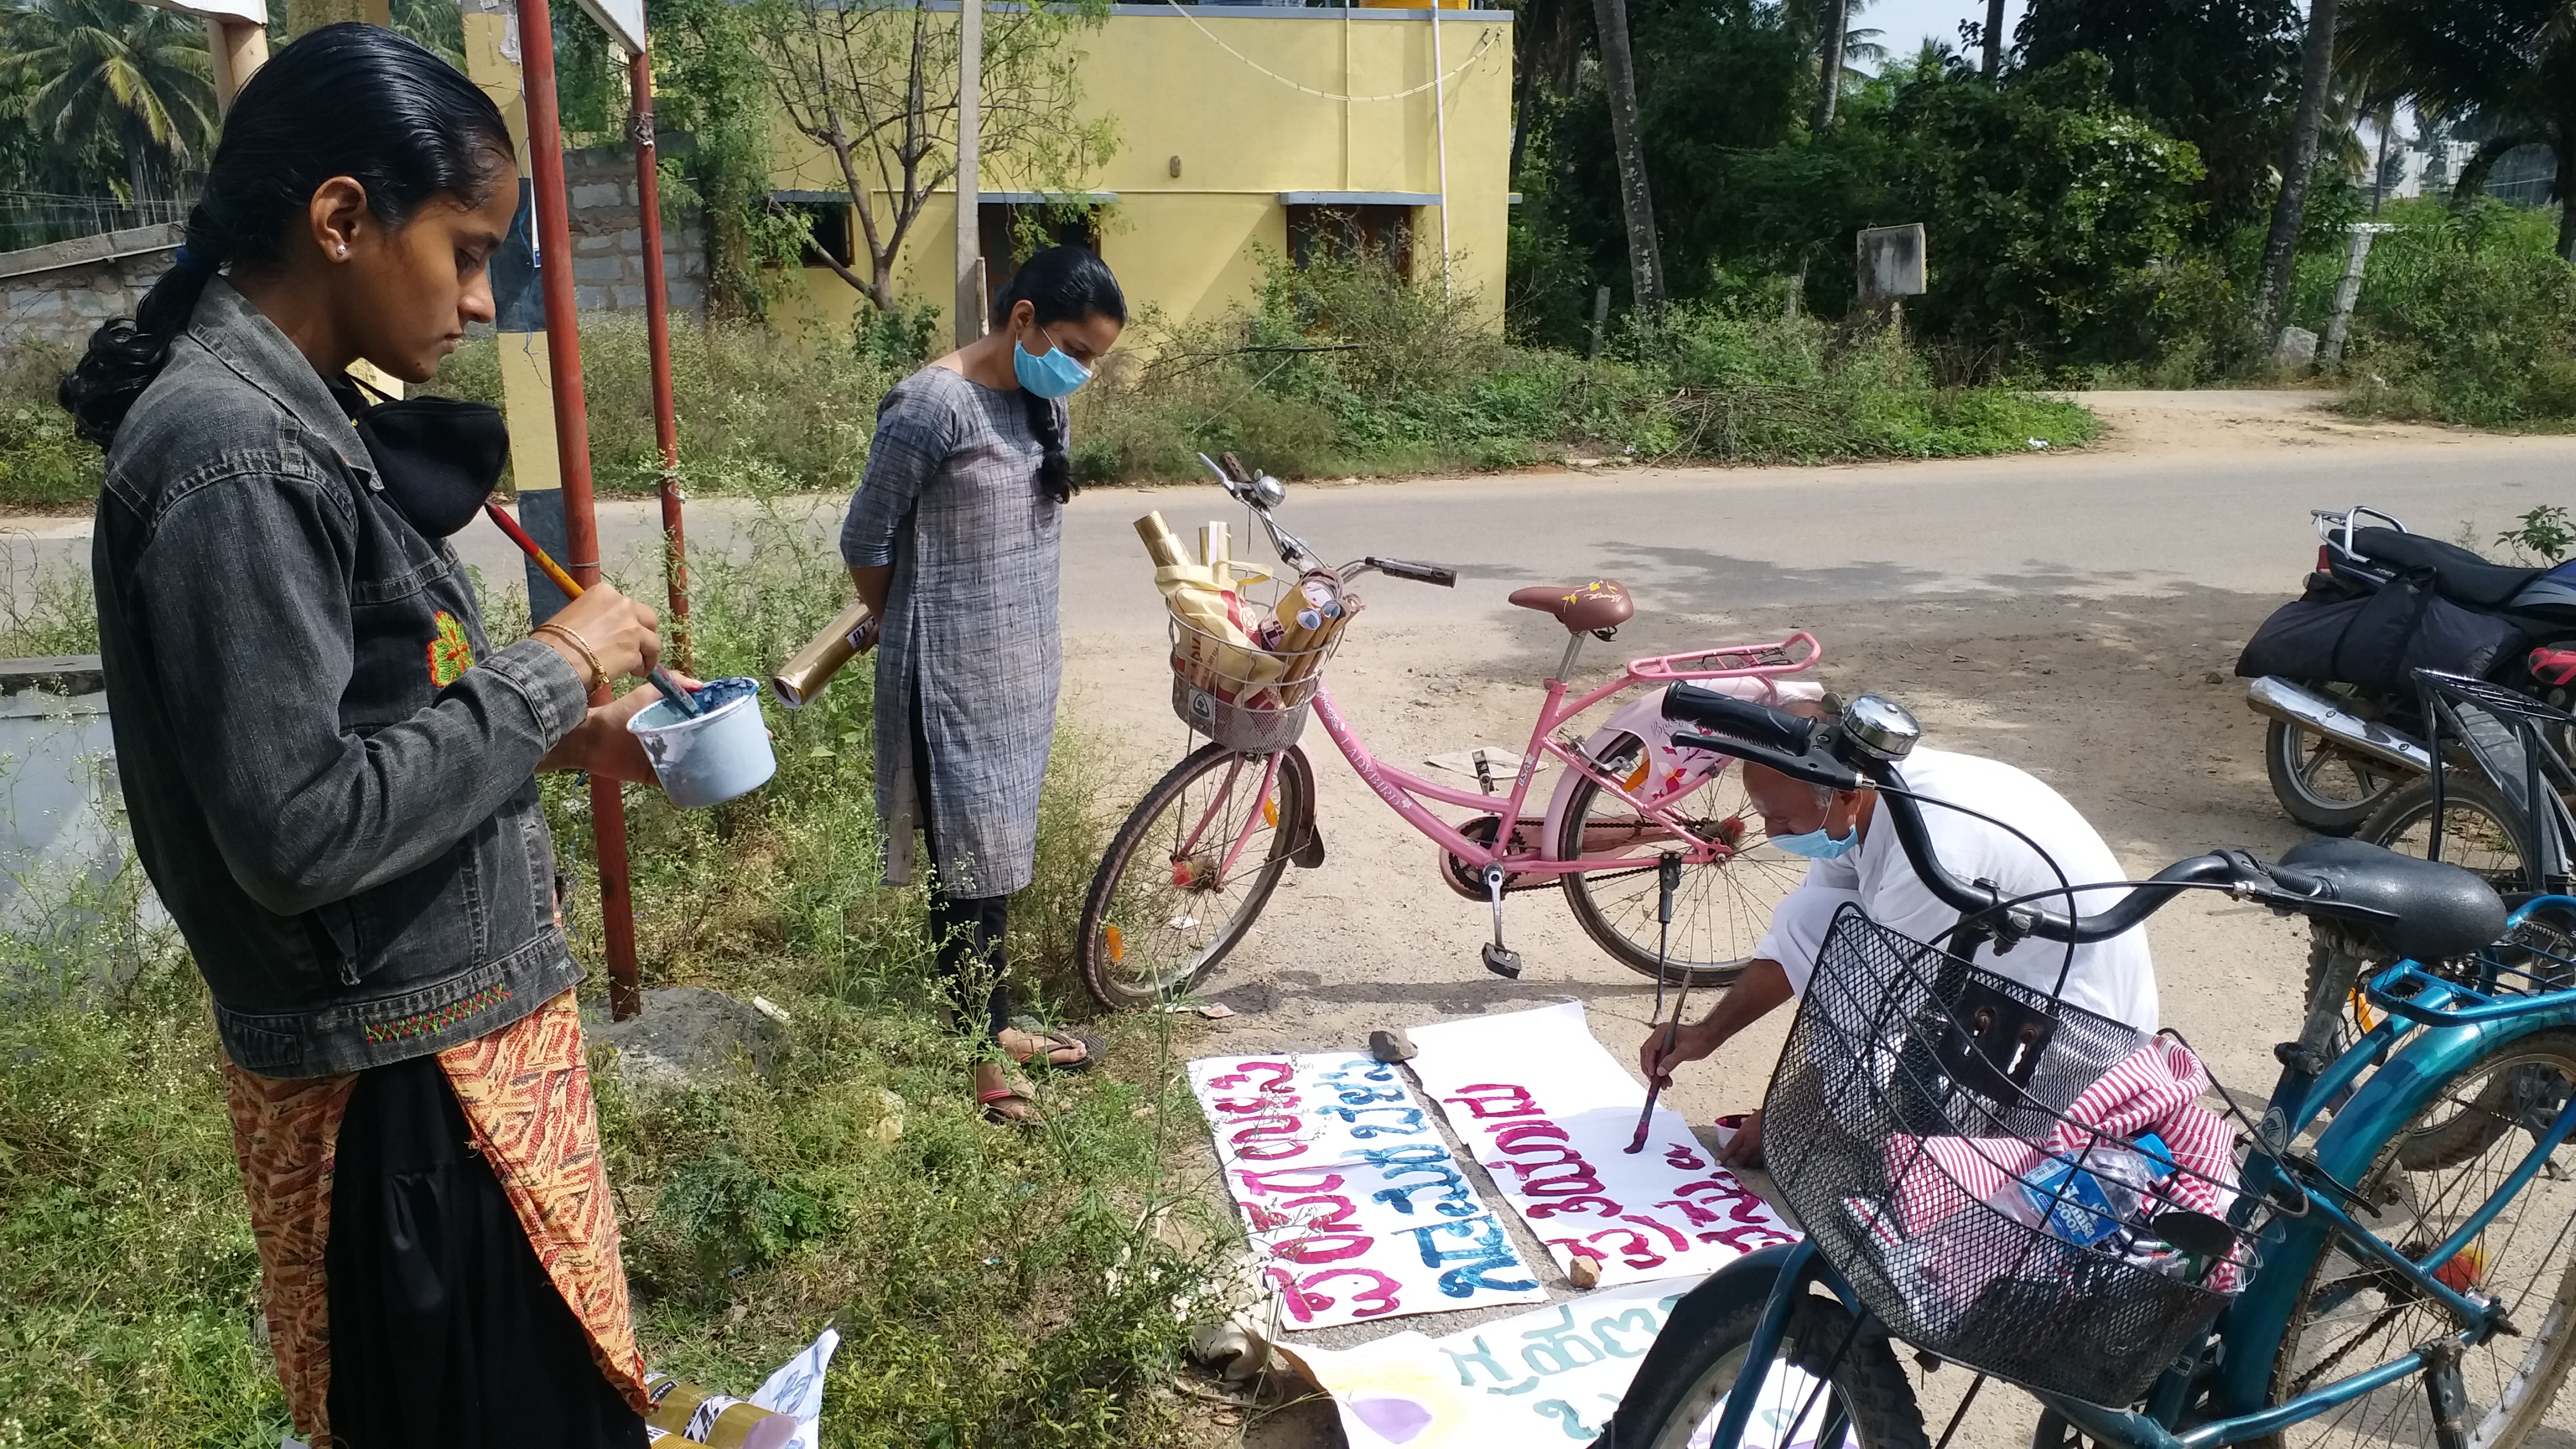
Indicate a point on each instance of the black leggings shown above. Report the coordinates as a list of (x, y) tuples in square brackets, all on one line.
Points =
[(968, 931)]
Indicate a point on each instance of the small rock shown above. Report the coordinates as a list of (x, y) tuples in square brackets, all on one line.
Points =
[(889, 1128), (2213, 677), (1216, 1011), (1584, 1271), (685, 1035), (772, 1010)]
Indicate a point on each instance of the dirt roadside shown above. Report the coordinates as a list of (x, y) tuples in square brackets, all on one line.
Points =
[(2126, 703)]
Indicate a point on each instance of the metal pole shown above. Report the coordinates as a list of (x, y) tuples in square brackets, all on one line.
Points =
[(970, 180), (657, 340), (572, 452), (1440, 140), (2347, 292)]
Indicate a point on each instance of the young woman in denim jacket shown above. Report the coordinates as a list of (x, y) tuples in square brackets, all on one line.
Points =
[(330, 770)]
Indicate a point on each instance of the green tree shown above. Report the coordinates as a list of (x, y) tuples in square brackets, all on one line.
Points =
[(114, 78), (875, 85), (2510, 63), (2221, 74)]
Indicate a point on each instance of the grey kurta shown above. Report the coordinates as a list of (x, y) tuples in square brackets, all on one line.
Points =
[(951, 501)]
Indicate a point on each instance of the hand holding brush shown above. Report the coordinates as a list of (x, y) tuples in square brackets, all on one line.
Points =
[(633, 647)]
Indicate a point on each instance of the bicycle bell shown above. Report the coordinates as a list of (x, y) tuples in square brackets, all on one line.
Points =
[(1265, 492), (1880, 728)]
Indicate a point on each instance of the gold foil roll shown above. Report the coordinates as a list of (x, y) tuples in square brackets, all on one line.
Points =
[(852, 633), (1161, 542)]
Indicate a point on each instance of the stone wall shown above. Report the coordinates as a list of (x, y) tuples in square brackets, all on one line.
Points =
[(608, 236), (60, 293)]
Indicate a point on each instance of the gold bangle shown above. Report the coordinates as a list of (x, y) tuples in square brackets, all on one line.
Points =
[(598, 676)]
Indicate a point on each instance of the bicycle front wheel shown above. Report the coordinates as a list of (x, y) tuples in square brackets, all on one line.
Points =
[(2353, 1314), (1723, 906), (1190, 870), (1841, 1379)]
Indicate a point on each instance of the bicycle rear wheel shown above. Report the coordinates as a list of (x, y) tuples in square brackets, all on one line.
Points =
[(1723, 906), (2352, 1314), (1164, 906)]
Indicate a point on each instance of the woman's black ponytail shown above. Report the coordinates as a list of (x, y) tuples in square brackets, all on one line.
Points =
[(345, 100), (1062, 284)]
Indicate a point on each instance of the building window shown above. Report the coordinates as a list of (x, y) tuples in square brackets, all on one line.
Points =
[(1012, 231), (1344, 232), (827, 230)]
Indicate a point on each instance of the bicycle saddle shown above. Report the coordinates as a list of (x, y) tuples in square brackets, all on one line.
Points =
[(1581, 608), (2442, 912)]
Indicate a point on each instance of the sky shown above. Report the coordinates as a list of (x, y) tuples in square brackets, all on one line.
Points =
[(1908, 22)]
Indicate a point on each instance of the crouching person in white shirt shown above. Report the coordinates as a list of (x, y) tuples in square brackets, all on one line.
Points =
[(1858, 860)]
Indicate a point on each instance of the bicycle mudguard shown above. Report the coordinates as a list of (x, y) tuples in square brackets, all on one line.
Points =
[(1667, 769), (2386, 1101)]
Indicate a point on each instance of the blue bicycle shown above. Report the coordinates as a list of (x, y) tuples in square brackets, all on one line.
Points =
[(2394, 1262)]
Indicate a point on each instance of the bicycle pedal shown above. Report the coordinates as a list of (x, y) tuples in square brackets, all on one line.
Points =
[(1503, 962)]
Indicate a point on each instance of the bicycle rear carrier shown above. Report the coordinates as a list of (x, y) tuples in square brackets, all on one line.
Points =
[(1915, 1094)]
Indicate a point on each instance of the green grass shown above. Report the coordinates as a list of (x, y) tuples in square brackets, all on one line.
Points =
[(2465, 317), (994, 1287)]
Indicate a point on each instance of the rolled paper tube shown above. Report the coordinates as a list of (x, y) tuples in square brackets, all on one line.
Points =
[(1308, 619), (1216, 550), (1161, 542), (852, 633)]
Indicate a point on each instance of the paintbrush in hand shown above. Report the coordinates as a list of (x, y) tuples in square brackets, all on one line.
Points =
[(680, 699), (1668, 879)]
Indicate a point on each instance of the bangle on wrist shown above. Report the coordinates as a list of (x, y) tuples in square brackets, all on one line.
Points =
[(598, 678)]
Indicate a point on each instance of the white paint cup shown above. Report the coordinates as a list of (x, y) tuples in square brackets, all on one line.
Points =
[(711, 757)]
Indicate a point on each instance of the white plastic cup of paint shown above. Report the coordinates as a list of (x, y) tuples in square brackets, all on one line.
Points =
[(713, 756)]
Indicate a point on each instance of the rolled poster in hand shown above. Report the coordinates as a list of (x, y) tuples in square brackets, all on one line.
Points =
[(851, 633)]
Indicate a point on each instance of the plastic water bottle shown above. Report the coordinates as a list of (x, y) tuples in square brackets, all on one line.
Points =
[(2087, 1200)]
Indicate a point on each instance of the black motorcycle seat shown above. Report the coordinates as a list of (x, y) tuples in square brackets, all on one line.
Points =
[(2442, 911), (2458, 575)]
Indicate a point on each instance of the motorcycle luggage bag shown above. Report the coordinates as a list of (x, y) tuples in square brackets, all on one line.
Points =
[(2375, 640)]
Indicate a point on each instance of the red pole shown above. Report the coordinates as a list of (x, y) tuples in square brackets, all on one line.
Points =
[(657, 336), (572, 452)]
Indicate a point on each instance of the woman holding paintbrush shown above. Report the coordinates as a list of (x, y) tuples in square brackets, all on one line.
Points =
[(952, 539), (331, 771)]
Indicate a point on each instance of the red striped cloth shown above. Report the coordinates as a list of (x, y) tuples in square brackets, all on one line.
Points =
[(2156, 1088)]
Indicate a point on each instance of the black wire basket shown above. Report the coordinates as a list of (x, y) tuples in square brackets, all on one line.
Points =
[(1909, 1078)]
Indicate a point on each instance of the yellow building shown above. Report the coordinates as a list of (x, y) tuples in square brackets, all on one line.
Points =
[(1245, 128)]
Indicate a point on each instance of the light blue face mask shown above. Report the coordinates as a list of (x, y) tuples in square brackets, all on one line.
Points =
[(1051, 374), (1816, 845)]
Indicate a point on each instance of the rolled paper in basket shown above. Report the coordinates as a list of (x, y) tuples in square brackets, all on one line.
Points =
[(1221, 656), (1161, 542), (1216, 550), (690, 1414)]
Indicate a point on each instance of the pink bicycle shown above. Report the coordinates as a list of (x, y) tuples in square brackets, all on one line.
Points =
[(1190, 870)]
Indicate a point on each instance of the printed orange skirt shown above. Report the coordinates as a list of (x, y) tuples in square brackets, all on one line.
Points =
[(525, 1096)]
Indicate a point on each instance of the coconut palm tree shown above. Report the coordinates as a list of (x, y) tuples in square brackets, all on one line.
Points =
[(2510, 62), (114, 76)]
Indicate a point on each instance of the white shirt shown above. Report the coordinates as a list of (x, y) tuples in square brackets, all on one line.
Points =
[(2113, 978)]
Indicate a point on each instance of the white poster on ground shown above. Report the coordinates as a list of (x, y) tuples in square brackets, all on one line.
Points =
[(1358, 1208), (1547, 1111), (1539, 1380)]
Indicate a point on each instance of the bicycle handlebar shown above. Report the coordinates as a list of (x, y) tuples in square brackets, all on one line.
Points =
[(1845, 758), (1420, 573)]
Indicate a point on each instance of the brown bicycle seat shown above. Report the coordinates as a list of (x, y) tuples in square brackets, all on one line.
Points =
[(1581, 608)]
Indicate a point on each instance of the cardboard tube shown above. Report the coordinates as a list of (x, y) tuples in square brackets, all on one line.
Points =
[(1161, 542), (851, 633), (1216, 550)]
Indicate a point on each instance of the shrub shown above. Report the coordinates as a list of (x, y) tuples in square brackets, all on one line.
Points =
[(42, 464), (2466, 316)]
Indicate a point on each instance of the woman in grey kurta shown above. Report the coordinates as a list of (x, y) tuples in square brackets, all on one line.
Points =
[(952, 539)]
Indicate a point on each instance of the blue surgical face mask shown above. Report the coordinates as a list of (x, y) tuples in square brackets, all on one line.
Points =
[(1052, 373), (1816, 845)]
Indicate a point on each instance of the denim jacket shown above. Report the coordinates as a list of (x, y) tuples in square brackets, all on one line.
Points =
[(329, 770)]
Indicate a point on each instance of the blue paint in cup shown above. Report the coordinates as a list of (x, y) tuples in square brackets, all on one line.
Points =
[(714, 756)]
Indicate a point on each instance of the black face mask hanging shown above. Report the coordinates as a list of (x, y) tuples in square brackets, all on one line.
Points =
[(439, 458)]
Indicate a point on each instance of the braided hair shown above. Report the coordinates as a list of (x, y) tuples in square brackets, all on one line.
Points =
[(349, 100), (1061, 284)]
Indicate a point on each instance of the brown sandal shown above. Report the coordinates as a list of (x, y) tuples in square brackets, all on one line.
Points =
[(993, 1113)]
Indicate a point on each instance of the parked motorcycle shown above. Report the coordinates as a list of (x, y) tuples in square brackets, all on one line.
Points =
[(2333, 670)]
